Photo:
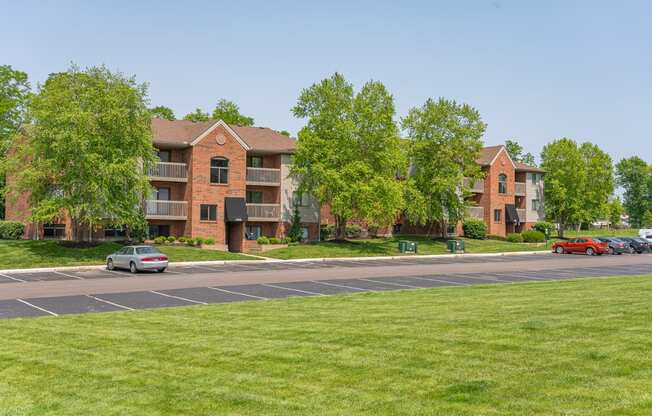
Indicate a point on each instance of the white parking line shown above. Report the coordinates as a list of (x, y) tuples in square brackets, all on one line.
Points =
[(391, 284), (432, 279), (238, 293), (13, 278), (296, 290), (178, 297), (344, 286), (117, 305), (36, 307), (68, 275)]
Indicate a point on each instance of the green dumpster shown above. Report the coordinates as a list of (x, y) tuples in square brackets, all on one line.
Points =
[(405, 246), (456, 246)]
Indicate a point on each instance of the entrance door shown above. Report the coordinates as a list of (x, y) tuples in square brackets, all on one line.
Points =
[(234, 236)]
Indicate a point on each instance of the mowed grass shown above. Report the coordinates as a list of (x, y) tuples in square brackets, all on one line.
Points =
[(47, 253), (389, 247), (544, 348)]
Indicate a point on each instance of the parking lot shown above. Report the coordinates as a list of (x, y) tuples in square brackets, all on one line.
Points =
[(307, 279)]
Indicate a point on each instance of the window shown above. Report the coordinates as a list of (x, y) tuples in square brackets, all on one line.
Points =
[(254, 197), (254, 162), (300, 199), (536, 177), (498, 215), (208, 212), (502, 184), (219, 170), (304, 233), (54, 230), (159, 230), (163, 155), (114, 232), (147, 250), (253, 232), (396, 229), (535, 205)]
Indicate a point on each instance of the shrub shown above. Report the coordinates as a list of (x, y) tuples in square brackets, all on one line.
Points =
[(190, 241), (199, 241), (209, 241), (496, 237), (542, 226), (274, 240), (475, 229), (514, 238), (326, 232), (11, 230), (295, 229), (182, 239), (171, 239), (372, 229), (262, 240), (286, 240), (160, 240), (353, 231), (534, 236)]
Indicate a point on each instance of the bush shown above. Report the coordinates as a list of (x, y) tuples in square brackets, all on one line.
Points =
[(11, 230), (171, 239), (274, 240), (262, 240), (326, 232), (199, 241), (542, 226), (160, 240), (475, 229), (372, 229), (353, 231), (514, 238), (286, 240), (496, 237), (190, 241), (182, 239), (209, 241), (534, 236)]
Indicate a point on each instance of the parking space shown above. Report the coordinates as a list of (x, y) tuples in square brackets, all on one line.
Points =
[(206, 295), (142, 300), (265, 291), (14, 309), (73, 304), (323, 288)]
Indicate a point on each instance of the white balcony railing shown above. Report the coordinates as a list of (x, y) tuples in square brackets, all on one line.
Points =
[(168, 171), (263, 176), (264, 212), (477, 186), (475, 212), (521, 214), (166, 210), (519, 188)]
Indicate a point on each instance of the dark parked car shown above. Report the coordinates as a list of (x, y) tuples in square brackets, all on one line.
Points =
[(637, 245), (616, 246), (588, 245)]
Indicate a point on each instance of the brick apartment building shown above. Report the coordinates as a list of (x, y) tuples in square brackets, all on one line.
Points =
[(229, 183)]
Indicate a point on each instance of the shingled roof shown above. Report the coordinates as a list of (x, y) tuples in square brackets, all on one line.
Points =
[(489, 153)]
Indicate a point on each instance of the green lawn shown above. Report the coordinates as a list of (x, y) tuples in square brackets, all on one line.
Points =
[(563, 348), (628, 232), (46, 253), (389, 247)]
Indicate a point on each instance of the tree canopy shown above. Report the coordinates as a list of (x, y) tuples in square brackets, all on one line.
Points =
[(163, 112), (445, 142), (87, 151), (635, 176), (349, 152), (229, 112), (197, 115), (515, 151)]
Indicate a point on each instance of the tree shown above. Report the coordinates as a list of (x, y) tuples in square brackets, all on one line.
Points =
[(88, 150), (163, 112), (285, 133), (295, 232), (348, 154), (515, 151), (229, 112), (599, 182), (615, 210), (14, 96), (635, 176), (445, 141), (197, 115)]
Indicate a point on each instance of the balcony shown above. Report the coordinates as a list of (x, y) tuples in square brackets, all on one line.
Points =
[(264, 176), (477, 187), (519, 188), (166, 210), (168, 171), (264, 212), (475, 212), (521, 214)]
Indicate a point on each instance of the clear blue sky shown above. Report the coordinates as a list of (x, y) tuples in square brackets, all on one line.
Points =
[(536, 70)]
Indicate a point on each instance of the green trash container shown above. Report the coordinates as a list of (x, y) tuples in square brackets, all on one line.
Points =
[(456, 246), (405, 246)]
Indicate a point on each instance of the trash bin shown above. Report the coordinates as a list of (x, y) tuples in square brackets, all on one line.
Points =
[(405, 246), (456, 246)]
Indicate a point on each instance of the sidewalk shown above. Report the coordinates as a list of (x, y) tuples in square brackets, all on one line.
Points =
[(271, 260)]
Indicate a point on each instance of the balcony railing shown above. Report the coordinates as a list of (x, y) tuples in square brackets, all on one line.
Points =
[(477, 186), (263, 176), (264, 212), (166, 210), (519, 188), (168, 171), (521, 214), (475, 212)]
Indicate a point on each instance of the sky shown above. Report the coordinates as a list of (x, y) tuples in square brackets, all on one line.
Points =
[(535, 70)]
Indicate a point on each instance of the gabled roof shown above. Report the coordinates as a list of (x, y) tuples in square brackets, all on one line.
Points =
[(522, 167), (489, 154), (264, 139), (177, 131)]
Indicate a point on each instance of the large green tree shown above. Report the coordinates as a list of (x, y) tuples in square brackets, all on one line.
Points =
[(197, 115), (163, 112), (517, 154), (634, 175), (87, 151), (349, 152), (229, 112), (445, 141), (14, 96)]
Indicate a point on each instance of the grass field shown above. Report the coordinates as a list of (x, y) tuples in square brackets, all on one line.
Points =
[(45, 253), (627, 232), (389, 247), (564, 348)]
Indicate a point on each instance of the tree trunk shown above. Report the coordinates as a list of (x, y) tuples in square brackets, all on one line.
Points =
[(444, 229), (340, 228)]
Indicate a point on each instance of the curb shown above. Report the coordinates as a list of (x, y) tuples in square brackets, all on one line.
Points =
[(269, 260)]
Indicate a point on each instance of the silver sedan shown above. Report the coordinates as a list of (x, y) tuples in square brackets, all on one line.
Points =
[(137, 258)]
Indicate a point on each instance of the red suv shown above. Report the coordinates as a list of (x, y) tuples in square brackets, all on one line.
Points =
[(587, 245)]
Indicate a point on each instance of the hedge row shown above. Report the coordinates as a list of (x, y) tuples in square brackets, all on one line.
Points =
[(11, 230)]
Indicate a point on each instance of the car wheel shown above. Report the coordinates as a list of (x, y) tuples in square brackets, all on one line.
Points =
[(589, 251), (132, 267), (161, 270), (560, 250), (109, 264)]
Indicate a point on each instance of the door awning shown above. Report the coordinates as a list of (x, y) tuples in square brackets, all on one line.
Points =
[(235, 210), (511, 215)]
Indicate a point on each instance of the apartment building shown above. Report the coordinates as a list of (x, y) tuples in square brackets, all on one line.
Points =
[(229, 183)]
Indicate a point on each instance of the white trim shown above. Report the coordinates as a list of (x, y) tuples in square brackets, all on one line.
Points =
[(502, 148), (227, 128)]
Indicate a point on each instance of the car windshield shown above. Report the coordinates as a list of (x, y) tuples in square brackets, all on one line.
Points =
[(147, 250)]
